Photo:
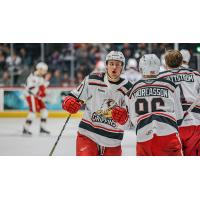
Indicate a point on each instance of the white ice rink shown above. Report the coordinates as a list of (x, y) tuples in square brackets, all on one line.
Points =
[(13, 143)]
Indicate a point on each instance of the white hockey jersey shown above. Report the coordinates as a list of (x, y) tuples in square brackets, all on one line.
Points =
[(154, 108), (100, 96), (33, 83), (188, 81)]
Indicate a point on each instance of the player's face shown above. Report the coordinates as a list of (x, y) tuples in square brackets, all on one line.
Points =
[(42, 72), (114, 68)]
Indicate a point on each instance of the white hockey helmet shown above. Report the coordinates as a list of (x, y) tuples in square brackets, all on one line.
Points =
[(100, 66), (42, 65), (132, 64), (116, 55), (149, 64), (186, 55)]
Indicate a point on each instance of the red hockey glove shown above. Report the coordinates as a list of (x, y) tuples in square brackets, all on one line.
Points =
[(119, 115), (41, 93), (71, 104)]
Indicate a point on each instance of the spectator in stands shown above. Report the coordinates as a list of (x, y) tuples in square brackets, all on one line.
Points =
[(65, 80), (79, 77), (25, 57), (14, 66), (5, 49), (2, 62), (55, 57), (140, 51), (94, 54), (56, 78), (84, 68), (48, 76), (127, 50), (156, 50), (84, 57), (6, 79), (4, 75)]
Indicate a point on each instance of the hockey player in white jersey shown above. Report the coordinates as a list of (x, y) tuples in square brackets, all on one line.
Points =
[(188, 80), (131, 72), (35, 93), (104, 98), (154, 108)]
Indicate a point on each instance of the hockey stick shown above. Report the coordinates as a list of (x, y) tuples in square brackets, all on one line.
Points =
[(190, 109), (63, 128), (54, 146)]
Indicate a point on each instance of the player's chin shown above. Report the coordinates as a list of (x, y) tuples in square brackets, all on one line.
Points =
[(115, 76)]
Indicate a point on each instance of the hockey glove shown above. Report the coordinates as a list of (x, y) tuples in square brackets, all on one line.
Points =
[(119, 115), (71, 104)]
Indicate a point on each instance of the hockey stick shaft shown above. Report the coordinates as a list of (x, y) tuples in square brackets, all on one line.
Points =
[(54, 146), (63, 128)]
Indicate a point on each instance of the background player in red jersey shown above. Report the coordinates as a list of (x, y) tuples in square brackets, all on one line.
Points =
[(188, 80), (35, 93), (104, 97)]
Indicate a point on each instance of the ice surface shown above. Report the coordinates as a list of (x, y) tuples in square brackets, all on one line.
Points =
[(13, 143)]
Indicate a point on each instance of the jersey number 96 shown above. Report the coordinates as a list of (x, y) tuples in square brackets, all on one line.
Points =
[(142, 106)]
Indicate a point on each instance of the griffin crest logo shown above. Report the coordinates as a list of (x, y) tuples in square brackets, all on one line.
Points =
[(103, 115)]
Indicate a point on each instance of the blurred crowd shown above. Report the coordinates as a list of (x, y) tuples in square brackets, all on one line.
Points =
[(70, 63)]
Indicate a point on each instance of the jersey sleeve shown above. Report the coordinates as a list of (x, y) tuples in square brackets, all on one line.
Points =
[(32, 86), (198, 81), (178, 107), (46, 83), (81, 92)]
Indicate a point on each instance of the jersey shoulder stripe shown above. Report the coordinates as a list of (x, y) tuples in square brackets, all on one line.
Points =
[(97, 84), (155, 113), (124, 89), (159, 118), (97, 76), (100, 130), (164, 72), (136, 83), (133, 87), (196, 109), (191, 71), (128, 85), (167, 81), (196, 73)]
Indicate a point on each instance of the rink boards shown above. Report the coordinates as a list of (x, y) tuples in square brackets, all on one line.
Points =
[(13, 102), (52, 114)]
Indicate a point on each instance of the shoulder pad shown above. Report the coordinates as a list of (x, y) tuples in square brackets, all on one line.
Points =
[(164, 72), (167, 81), (128, 85), (97, 76)]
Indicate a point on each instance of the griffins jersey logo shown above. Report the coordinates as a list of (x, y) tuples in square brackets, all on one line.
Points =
[(103, 115)]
